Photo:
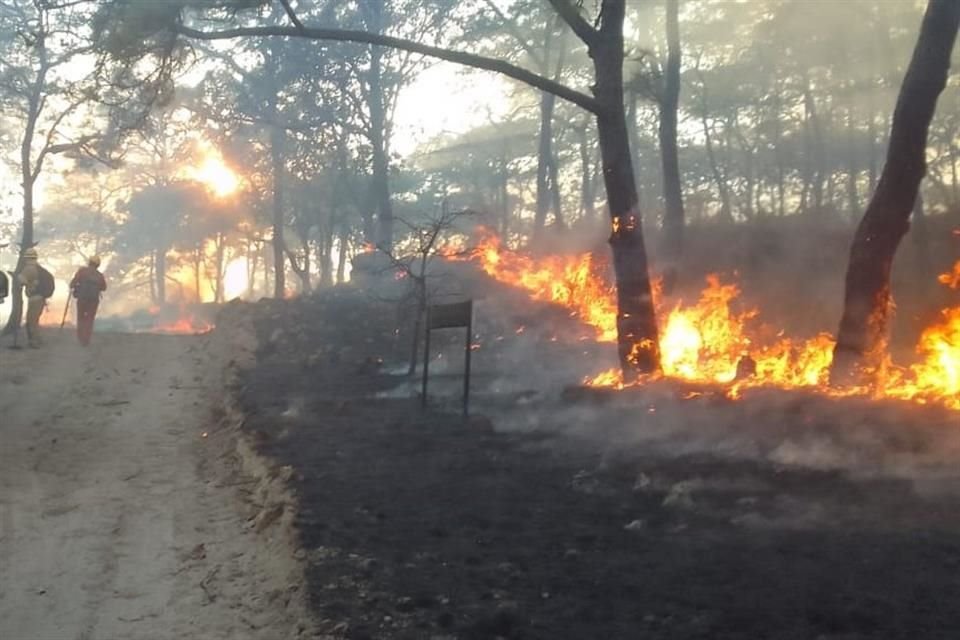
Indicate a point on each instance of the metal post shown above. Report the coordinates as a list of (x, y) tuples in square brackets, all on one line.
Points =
[(426, 361), (466, 375)]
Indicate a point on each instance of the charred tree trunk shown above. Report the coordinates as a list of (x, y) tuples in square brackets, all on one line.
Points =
[(637, 336), (673, 219), (866, 310)]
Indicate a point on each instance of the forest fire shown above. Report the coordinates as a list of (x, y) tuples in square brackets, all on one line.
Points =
[(712, 342), (182, 322)]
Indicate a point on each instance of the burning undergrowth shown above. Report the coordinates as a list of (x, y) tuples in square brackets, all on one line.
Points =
[(718, 338), (181, 318), (665, 511)]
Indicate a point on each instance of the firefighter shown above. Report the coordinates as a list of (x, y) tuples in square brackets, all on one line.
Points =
[(87, 286), (30, 278)]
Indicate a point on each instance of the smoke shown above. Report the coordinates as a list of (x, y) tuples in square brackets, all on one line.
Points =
[(778, 429)]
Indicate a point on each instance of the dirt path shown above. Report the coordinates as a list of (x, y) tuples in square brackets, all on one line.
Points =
[(116, 518)]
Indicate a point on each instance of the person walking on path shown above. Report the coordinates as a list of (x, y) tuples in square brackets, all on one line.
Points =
[(35, 286), (87, 286)]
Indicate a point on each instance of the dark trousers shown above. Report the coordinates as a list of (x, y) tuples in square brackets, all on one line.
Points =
[(86, 312)]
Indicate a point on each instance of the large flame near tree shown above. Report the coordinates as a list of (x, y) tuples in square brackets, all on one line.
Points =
[(712, 342)]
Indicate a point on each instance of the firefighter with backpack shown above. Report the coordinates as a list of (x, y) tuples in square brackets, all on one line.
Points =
[(38, 285), (87, 285)]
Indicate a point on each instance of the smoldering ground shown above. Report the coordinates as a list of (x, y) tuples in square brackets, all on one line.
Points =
[(605, 514)]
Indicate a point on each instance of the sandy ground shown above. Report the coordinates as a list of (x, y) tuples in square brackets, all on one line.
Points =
[(121, 509)]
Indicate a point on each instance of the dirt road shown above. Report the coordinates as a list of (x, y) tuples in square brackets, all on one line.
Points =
[(118, 516)]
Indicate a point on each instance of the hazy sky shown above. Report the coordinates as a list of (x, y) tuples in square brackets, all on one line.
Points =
[(443, 99)]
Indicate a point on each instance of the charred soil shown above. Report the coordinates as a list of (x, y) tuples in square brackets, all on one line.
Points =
[(642, 516)]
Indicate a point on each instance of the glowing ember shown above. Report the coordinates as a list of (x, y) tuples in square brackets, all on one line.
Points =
[(714, 343)]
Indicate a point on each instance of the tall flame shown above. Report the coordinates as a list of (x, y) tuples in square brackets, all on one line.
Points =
[(713, 342)]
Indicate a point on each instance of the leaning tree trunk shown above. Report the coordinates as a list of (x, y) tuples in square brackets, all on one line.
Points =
[(673, 220), (637, 337), (867, 302)]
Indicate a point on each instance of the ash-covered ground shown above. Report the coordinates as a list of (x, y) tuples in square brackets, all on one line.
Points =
[(555, 515)]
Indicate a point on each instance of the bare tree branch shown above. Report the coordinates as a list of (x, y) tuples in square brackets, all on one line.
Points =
[(571, 15), (460, 57), (291, 14), (515, 32)]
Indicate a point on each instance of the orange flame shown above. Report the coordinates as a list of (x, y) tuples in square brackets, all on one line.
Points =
[(568, 281), (712, 342)]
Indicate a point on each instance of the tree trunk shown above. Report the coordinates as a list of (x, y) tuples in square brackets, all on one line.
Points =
[(378, 142), (277, 136), (866, 310), (638, 343), (778, 152), (555, 195), (343, 247), (816, 146), (218, 282), (544, 153), (633, 129), (673, 220), (725, 213), (504, 186), (28, 178), (325, 252), (160, 272), (279, 267), (587, 194), (853, 197)]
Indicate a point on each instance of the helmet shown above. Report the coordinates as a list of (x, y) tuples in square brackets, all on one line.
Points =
[(30, 254), (94, 261)]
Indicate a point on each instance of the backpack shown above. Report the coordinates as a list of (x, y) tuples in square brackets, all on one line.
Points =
[(46, 283), (87, 289)]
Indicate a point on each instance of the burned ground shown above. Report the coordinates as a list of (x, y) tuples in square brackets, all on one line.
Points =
[(640, 515)]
